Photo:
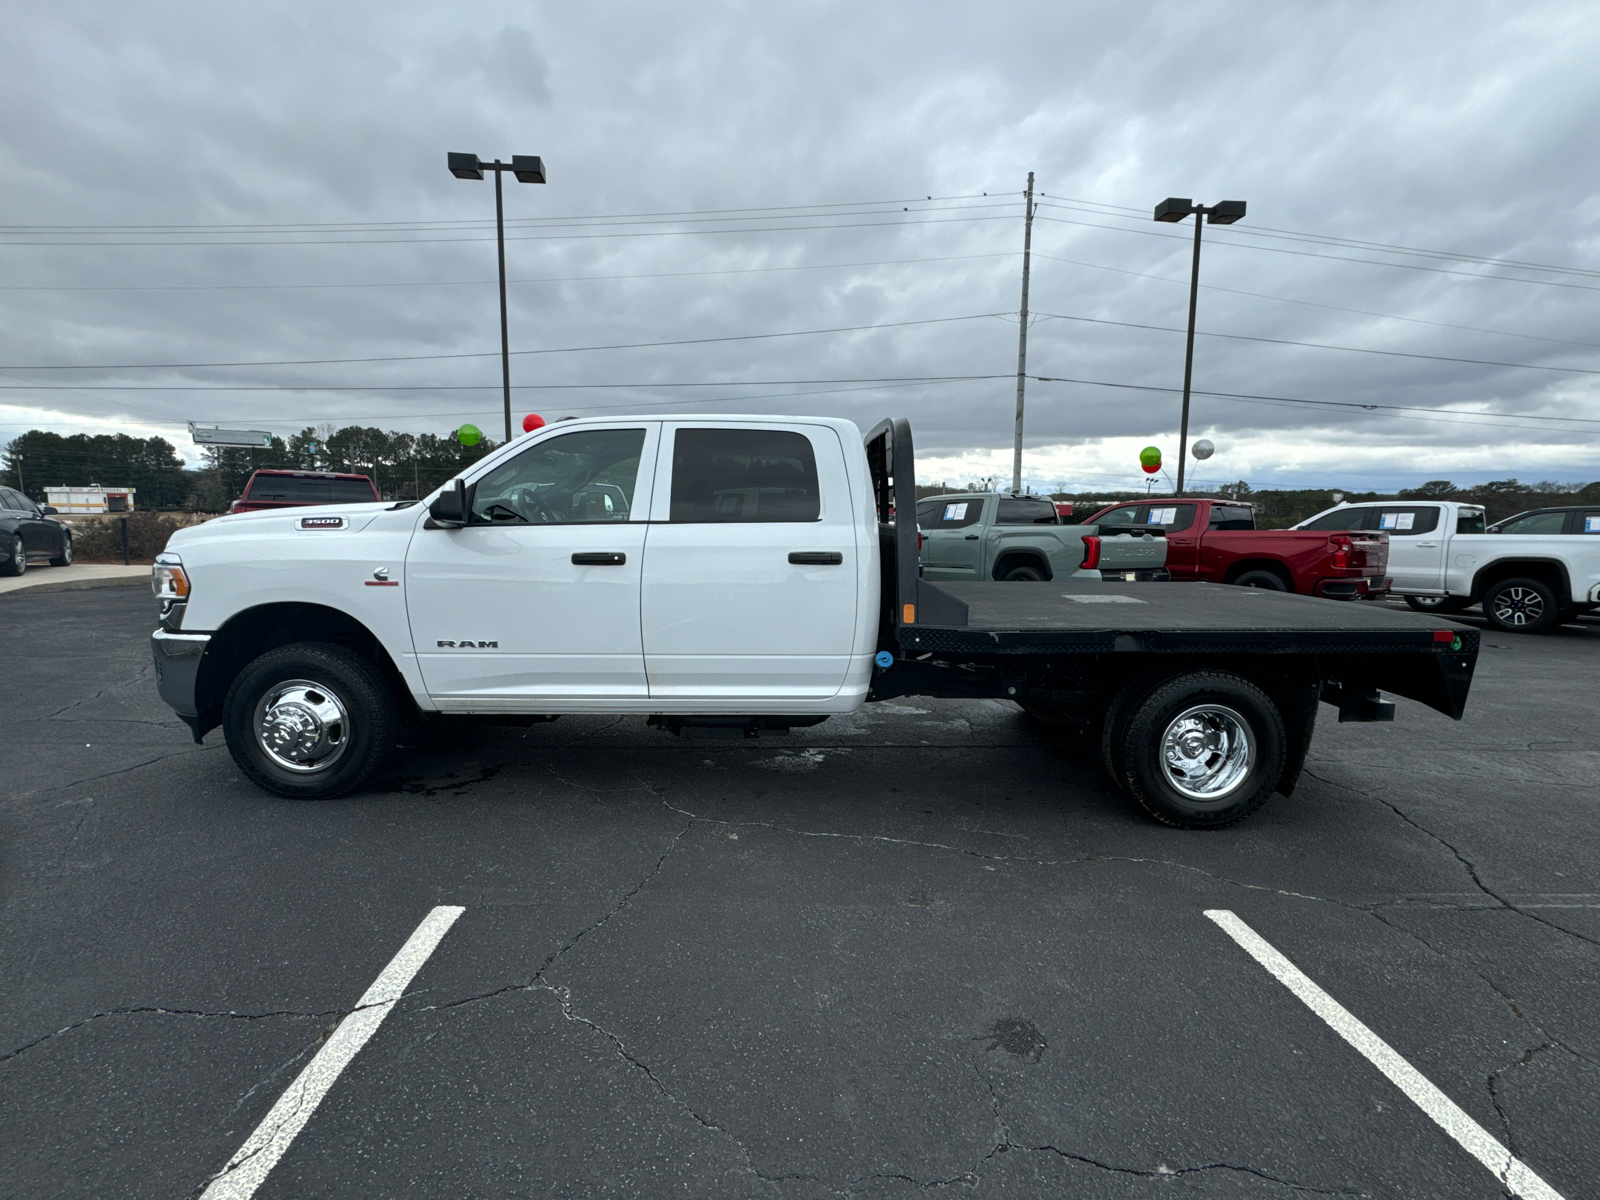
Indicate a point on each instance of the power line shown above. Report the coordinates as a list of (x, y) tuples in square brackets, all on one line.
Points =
[(1334, 257), (219, 287), (554, 237), (320, 362), (1244, 337), (465, 387), (1360, 312)]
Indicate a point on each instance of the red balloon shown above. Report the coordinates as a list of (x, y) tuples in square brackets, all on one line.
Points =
[(1151, 468), (531, 422)]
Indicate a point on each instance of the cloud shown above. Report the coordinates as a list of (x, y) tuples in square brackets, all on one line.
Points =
[(316, 135)]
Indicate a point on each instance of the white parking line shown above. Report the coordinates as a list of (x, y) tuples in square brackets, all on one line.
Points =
[(249, 1167), (1473, 1138)]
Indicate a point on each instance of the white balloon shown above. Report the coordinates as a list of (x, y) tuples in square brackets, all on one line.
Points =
[(1202, 449)]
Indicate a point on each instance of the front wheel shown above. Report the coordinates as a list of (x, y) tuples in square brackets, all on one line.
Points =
[(309, 721), (64, 559), (1203, 750), (1521, 606), (1437, 604)]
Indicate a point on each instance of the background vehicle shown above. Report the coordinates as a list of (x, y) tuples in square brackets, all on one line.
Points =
[(30, 534), (1217, 541), (1539, 569), (310, 637), (295, 489), (980, 535)]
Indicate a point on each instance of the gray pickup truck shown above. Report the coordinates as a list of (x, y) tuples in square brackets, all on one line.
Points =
[(981, 535)]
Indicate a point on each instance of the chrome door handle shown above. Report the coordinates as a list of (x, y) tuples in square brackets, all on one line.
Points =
[(599, 558), (816, 558)]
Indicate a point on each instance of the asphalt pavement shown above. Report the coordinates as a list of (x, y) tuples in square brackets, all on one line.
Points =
[(921, 949)]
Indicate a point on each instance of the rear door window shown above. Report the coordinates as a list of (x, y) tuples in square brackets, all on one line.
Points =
[(1348, 518), (1171, 517), (1132, 515), (350, 491), (1408, 522), (957, 514), (1588, 522), (1026, 512), (722, 475), (1537, 523)]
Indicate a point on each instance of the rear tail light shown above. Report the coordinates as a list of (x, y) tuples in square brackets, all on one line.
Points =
[(1091, 552), (1342, 549), (920, 540)]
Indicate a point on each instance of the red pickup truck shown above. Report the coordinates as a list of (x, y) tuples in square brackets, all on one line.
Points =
[(295, 489), (1217, 541)]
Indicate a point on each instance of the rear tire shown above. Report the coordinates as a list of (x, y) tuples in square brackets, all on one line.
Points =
[(309, 721), (1521, 606), (17, 564), (1268, 581), (1437, 604), (1023, 574), (1203, 750)]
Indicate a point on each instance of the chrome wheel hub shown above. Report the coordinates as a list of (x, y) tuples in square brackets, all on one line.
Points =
[(1519, 606), (1207, 751), (302, 726)]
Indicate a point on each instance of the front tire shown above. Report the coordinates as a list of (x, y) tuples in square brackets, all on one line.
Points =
[(64, 559), (309, 721), (1203, 750), (17, 564), (1521, 606)]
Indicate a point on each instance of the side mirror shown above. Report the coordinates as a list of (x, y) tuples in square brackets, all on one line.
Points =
[(48, 511), (452, 509)]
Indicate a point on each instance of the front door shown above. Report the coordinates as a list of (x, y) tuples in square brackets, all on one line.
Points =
[(538, 597), (1416, 546), (952, 540), (751, 582)]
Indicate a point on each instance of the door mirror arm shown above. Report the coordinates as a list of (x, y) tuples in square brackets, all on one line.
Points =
[(452, 509)]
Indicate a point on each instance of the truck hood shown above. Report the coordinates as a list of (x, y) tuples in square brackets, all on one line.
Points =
[(279, 520)]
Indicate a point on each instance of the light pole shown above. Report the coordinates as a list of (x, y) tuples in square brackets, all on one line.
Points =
[(1224, 212), (528, 168)]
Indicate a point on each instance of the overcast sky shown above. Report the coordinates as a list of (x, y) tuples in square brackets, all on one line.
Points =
[(297, 153)]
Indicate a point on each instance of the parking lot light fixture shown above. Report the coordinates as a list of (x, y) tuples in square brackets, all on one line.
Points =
[(1172, 210), (528, 168)]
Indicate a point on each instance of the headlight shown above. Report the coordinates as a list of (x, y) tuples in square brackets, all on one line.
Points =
[(169, 582)]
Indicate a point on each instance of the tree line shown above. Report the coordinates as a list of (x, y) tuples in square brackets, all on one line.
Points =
[(404, 466)]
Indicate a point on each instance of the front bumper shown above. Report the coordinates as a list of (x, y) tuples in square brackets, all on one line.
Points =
[(1354, 589), (177, 657)]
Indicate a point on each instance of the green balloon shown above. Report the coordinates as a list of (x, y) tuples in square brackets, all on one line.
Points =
[(469, 435), (1150, 456)]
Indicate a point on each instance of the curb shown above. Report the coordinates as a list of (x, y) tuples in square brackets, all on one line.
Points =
[(75, 585)]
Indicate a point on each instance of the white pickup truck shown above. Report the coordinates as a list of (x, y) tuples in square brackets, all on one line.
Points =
[(729, 577), (1531, 572)]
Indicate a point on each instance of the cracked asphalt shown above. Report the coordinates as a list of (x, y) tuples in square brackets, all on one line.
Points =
[(923, 949)]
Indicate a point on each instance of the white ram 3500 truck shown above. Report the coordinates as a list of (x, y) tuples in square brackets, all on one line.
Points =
[(732, 576)]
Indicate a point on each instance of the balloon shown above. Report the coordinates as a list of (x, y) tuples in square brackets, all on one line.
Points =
[(1151, 468), (1150, 456), (1203, 449), (531, 422), (469, 435)]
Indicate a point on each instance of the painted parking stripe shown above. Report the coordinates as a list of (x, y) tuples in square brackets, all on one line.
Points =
[(1473, 1138), (249, 1167)]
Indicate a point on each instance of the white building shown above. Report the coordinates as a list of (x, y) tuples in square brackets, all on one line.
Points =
[(70, 501)]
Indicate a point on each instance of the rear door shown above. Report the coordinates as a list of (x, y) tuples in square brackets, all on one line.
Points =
[(952, 540), (751, 581), (538, 598), (1183, 534), (1416, 545)]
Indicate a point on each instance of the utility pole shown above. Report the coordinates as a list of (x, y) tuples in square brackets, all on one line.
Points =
[(505, 339), (1022, 334)]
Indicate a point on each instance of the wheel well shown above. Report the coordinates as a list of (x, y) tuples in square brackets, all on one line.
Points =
[(1259, 564), (1551, 574), (1020, 558), (250, 634)]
